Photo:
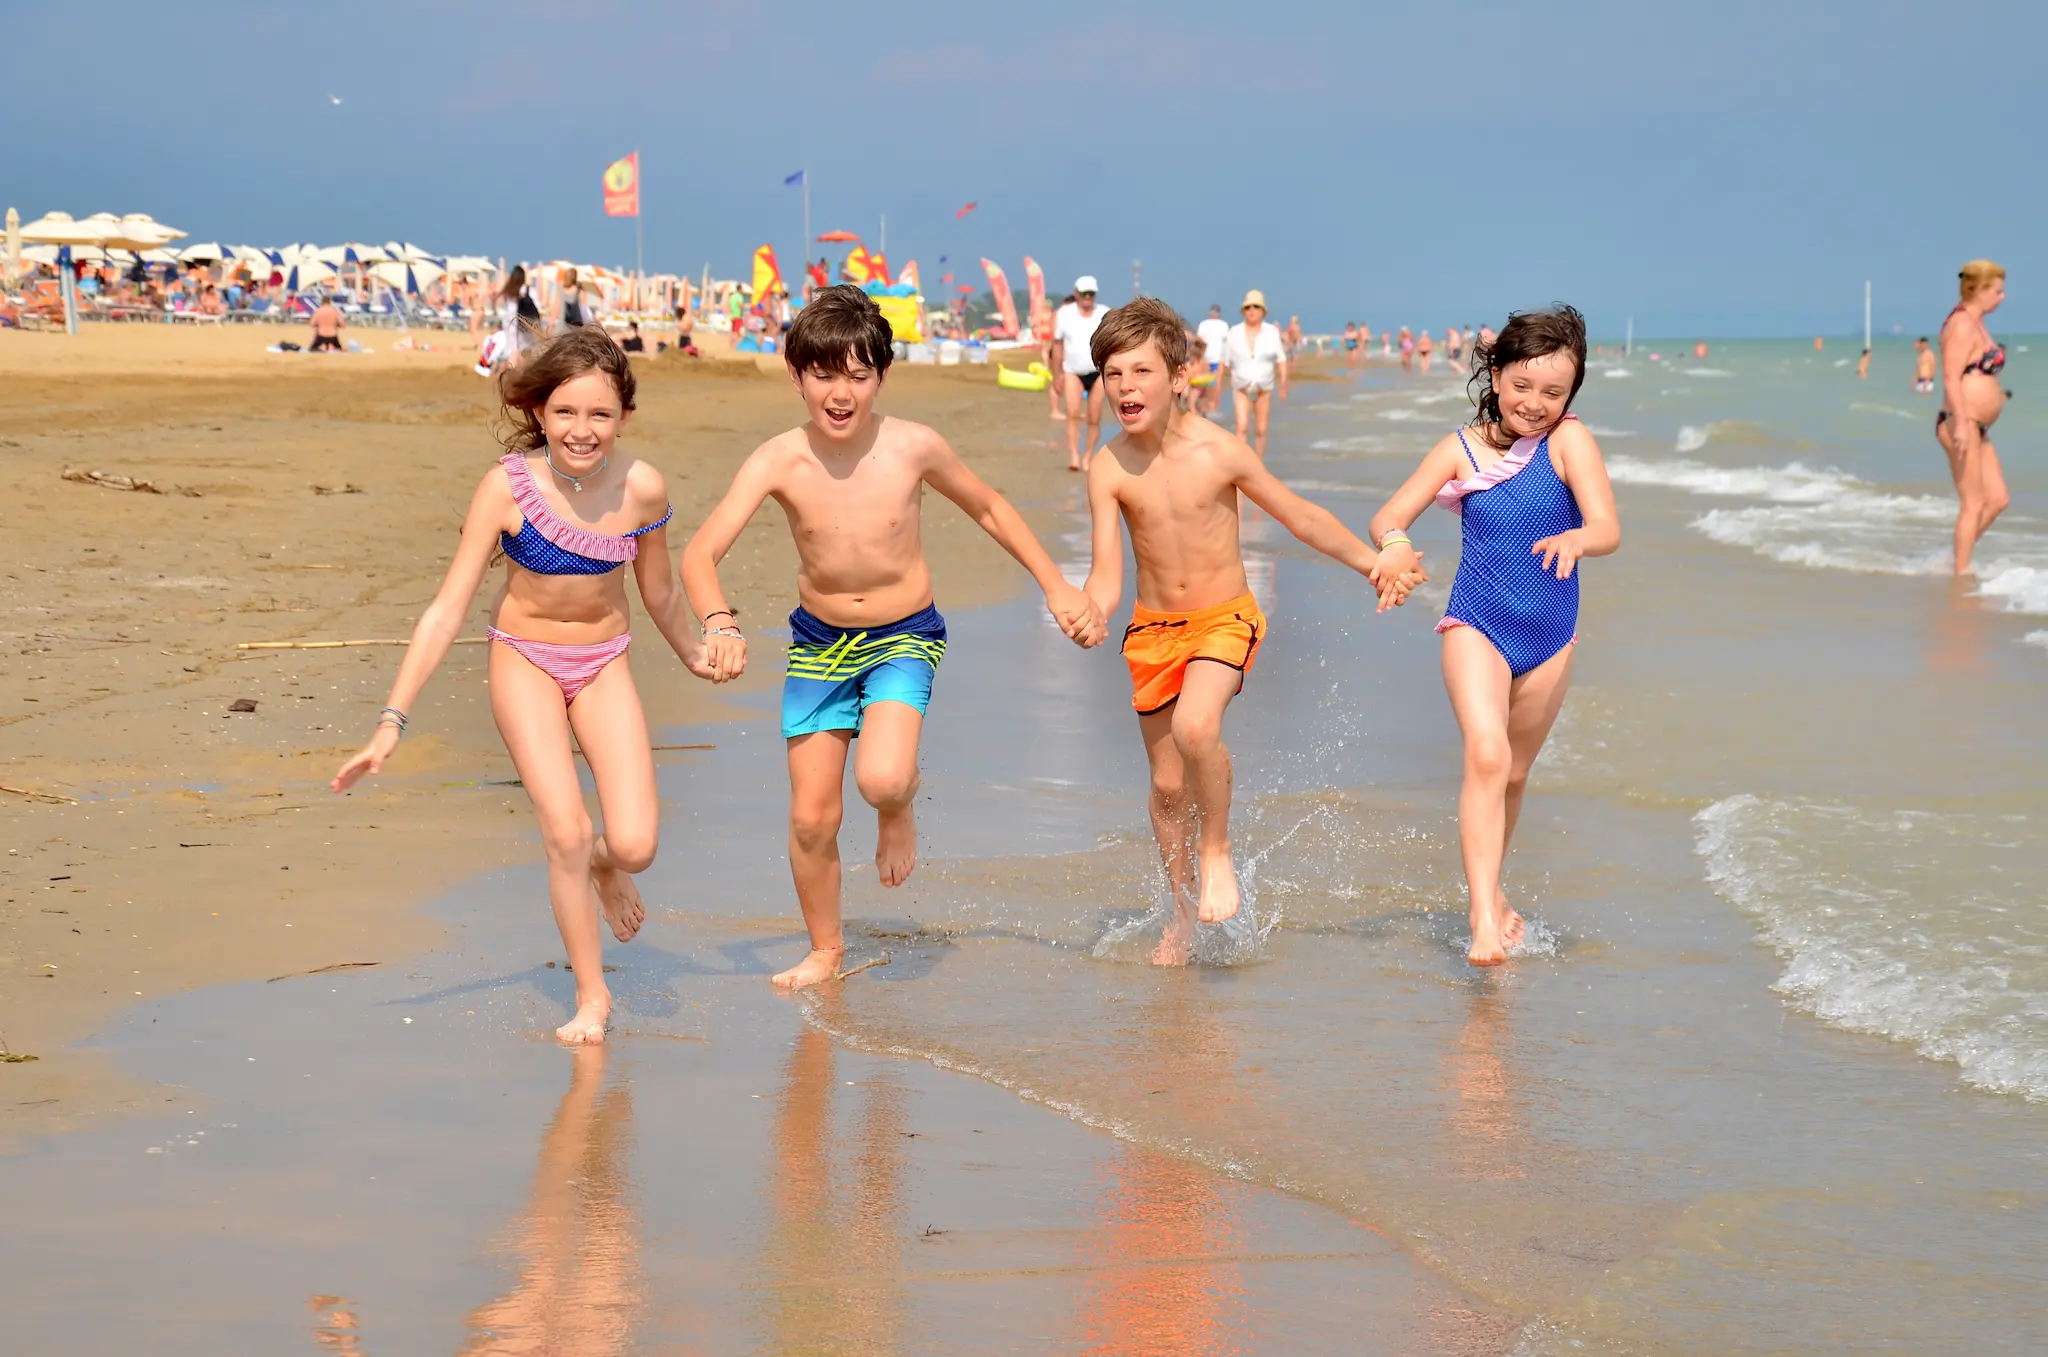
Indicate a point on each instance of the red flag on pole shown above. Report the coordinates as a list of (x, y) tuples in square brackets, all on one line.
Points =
[(1034, 287), (622, 187), (965, 210), (1006, 305)]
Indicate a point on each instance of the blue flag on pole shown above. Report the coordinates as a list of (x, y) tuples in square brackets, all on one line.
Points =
[(795, 179)]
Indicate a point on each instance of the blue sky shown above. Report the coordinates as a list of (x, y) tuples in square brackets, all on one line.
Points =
[(1738, 167)]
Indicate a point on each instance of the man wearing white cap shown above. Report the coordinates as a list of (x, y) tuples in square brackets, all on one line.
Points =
[(1072, 331), (1257, 363)]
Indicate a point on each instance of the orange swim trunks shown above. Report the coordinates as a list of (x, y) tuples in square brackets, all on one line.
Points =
[(1159, 645)]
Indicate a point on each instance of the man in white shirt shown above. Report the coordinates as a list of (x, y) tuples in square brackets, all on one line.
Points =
[(1257, 362), (1213, 333), (1073, 328)]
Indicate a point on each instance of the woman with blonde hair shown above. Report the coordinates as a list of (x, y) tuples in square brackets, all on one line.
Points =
[(1972, 398)]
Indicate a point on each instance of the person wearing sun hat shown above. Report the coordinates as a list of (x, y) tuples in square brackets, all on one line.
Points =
[(1072, 330), (1256, 359)]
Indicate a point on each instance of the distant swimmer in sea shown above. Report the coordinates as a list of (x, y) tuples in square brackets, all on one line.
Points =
[(1350, 343), (1454, 345), (1425, 348), (866, 637), (1972, 398), (1256, 359), (567, 507), (1291, 336), (1923, 367), (1699, 349), (1407, 348), (1196, 630), (1528, 481), (1386, 344), (1863, 367)]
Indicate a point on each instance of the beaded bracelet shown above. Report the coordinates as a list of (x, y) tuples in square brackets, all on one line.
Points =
[(392, 716), (725, 631)]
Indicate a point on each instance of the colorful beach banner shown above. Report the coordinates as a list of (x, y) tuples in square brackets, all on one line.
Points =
[(767, 277), (863, 266), (1034, 286), (622, 187), (1006, 305), (909, 276)]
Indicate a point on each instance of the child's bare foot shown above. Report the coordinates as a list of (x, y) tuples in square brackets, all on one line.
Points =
[(1177, 945), (895, 846), (1219, 888), (1487, 949), (1512, 925), (822, 964), (619, 899), (587, 1027)]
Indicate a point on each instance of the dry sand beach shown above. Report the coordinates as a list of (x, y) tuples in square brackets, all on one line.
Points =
[(159, 841)]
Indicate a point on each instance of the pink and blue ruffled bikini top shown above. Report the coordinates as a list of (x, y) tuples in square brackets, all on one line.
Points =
[(546, 544)]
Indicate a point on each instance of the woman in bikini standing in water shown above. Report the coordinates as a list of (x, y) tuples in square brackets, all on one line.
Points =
[(567, 507), (1527, 479), (1971, 399)]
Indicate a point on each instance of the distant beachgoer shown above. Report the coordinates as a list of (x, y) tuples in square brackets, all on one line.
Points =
[(1291, 336), (1257, 362), (549, 679), (867, 639), (1699, 350), (327, 325), (1407, 348), (1454, 345), (1972, 399), (210, 303), (1215, 333), (1386, 343), (1072, 328), (1041, 330), (1923, 367), (1863, 366), (1818, 343), (1537, 504), (1486, 336), (1423, 348), (1174, 483), (1364, 344), (1350, 343), (518, 320), (632, 342), (573, 311)]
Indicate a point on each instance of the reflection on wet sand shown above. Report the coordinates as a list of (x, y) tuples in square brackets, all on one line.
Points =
[(579, 1288), (834, 1249), (1961, 639), (1168, 1279), (333, 1327), (1484, 1124)]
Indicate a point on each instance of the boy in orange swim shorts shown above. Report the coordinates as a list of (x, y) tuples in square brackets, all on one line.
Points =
[(1175, 478)]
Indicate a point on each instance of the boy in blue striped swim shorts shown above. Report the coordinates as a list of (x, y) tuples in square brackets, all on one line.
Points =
[(866, 639)]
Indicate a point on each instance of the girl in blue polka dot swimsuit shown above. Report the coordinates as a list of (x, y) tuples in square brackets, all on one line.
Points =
[(1527, 481)]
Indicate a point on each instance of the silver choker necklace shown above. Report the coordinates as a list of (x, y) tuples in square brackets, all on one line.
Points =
[(575, 482)]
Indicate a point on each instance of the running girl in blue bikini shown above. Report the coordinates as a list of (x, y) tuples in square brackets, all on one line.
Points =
[(568, 508), (1527, 479)]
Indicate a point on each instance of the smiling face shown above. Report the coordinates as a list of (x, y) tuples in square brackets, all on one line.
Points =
[(582, 419), (1144, 390), (1533, 393), (840, 403)]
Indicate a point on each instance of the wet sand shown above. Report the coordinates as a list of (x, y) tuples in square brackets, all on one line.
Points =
[(158, 841)]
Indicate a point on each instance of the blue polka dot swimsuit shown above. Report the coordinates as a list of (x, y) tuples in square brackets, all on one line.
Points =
[(1502, 590)]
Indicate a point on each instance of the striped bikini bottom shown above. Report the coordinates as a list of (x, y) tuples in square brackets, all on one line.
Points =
[(571, 667)]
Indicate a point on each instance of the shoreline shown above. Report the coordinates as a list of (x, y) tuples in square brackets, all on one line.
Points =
[(158, 827)]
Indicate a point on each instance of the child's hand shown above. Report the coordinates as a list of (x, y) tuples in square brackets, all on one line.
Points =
[(369, 760), (725, 656), (1077, 615), (1563, 550)]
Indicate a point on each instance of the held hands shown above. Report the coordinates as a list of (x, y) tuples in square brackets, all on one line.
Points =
[(1077, 615), (370, 759), (1396, 573), (723, 656), (1563, 550)]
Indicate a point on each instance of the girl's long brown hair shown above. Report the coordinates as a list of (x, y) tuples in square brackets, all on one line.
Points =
[(525, 387)]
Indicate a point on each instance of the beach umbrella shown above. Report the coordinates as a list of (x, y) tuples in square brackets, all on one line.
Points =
[(57, 228), (838, 238), (136, 231), (210, 252), (251, 254), (411, 276)]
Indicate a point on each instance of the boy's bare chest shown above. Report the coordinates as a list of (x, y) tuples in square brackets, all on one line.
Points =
[(1165, 495), (874, 496)]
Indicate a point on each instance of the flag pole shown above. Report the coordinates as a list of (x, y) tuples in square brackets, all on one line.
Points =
[(639, 201), (804, 254)]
